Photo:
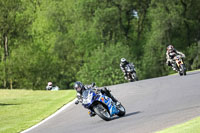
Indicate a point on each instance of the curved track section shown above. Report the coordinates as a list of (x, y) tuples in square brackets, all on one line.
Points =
[(151, 105)]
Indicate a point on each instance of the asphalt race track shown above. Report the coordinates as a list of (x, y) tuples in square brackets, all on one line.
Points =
[(151, 105)]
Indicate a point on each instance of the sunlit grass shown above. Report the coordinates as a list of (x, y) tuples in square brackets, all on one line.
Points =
[(192, 126), (21, 109)]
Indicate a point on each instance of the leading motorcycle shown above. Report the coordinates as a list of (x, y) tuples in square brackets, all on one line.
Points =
[(181, 68), (102, 105)]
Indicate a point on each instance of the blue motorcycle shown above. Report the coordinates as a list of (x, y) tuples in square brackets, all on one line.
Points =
[(102, 105)]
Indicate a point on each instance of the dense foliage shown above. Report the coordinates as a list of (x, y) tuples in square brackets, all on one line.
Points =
[(67, 40)]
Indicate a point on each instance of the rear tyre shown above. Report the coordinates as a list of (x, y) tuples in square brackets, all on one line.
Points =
[(102, 112), (185, 73)]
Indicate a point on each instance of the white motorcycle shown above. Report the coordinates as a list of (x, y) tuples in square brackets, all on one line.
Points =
[(131, 72)]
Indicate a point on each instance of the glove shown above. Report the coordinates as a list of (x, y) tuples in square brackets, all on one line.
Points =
[(76, 102)]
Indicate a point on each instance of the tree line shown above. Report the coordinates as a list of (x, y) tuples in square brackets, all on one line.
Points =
[(67, 40)]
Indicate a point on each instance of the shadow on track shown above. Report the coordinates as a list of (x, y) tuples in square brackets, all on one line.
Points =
[(133, 113), (127, 115)]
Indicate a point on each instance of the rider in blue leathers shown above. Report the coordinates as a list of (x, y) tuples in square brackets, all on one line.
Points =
[(80, 87)]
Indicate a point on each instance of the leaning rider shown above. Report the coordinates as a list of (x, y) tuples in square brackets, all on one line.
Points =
[(123, 64), (170, 54), (80, 87)]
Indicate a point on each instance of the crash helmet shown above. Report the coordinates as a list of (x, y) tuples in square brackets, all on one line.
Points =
[(78, 86), (170, 48), (123, 60), (50, 83)]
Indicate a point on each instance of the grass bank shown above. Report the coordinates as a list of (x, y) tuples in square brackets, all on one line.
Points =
[(192, 126), (21, 109)]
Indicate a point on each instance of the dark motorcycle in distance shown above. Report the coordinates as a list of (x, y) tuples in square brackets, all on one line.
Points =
[(131, 72), (180, 65), (101, 104)]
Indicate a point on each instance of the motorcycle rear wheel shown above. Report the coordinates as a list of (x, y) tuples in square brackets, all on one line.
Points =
[(102, 112)]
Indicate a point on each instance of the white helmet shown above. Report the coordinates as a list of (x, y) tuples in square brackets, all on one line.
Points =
[(123, 60), (170, 48), (49, 83)]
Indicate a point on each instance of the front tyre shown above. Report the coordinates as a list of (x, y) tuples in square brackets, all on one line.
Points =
[(134, 77), (183, 69), (180, 73), (102, 112), (122, 110)]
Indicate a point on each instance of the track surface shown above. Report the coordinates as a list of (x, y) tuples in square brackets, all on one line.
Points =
[(151, 105)]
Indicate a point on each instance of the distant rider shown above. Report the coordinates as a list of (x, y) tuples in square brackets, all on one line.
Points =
[(123, 64), (80, 87), (49, 86), (170, 54)]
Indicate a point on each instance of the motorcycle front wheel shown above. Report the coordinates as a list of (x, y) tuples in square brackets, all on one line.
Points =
[(134, 77), (121, 109), (102, 112), (184, 69)]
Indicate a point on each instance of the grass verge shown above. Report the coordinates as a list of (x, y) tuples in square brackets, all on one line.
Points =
[(192, 126), (21, 109)]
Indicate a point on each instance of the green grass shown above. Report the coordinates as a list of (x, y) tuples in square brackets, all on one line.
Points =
[(21, 109), (192, 126)]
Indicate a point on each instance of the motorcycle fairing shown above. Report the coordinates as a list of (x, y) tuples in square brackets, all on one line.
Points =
[(179, 61), (90, 96), (109, 103), (88, 101)]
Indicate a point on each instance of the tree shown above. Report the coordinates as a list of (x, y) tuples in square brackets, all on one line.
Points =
[(103, 66), (13, 27)]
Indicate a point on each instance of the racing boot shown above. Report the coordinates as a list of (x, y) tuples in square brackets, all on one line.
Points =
[(125, 76), (91, 113)]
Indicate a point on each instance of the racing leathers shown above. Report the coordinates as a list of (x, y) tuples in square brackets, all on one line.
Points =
[(104, 91), (170, 58), (122, 66)]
